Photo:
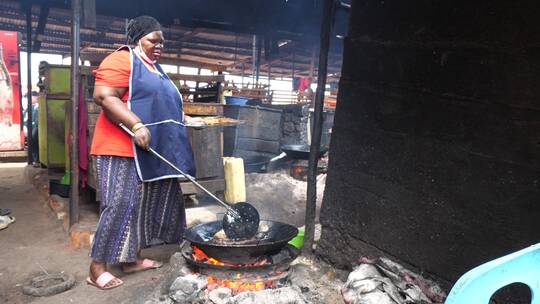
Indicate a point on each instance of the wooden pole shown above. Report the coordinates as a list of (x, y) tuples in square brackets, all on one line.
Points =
[(197, 83), (29, 127), (312, 62), (311, 71), (311, 203), (269, 76), (254, 58), (293, 61), (258, 67), (243, 70), (74, 156)]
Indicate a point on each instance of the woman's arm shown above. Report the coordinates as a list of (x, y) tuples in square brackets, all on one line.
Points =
[(109, 100)]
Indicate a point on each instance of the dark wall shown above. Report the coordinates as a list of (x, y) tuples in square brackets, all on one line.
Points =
[(435, 153)]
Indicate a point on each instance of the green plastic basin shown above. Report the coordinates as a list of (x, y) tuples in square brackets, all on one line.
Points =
[(298, 240)]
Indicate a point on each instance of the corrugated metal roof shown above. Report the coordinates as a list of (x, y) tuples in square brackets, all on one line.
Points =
[(198, 33)]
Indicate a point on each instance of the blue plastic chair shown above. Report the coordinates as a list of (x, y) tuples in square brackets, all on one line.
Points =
[(479, 284)]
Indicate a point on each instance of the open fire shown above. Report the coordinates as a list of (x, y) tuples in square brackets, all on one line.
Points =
[(237, 286), (240, 282), (199, 255)]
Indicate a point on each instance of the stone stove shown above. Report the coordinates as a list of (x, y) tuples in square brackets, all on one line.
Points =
[(267, 271)]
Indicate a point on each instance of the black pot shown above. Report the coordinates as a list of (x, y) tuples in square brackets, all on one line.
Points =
[(55, 187), (256, 164), (300, 151), (270, 242)]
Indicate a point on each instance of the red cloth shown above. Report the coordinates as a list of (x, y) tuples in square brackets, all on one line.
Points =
[(301, 84), (304, 84), (110, 139)]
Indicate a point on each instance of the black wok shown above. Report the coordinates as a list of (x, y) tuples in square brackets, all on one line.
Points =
[(238, 252), (300, 151)]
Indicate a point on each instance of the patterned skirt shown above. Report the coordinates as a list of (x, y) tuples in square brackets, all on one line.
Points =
[(134, 214)]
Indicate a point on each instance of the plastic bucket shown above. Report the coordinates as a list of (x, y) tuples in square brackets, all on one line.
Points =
[(236, 100), (298, 240)]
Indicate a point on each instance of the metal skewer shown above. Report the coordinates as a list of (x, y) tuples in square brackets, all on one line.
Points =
[(189, 177)]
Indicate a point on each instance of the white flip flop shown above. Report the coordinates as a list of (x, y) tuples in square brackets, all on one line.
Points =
[(5, 221)]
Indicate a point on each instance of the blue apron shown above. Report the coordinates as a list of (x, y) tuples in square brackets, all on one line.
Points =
[(156, 101)]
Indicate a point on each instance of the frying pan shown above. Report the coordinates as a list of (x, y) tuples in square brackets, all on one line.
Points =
[(263, 243), (241, 221), (300, 151)]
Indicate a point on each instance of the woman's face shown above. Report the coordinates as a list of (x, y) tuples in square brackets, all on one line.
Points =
[(152, 44)]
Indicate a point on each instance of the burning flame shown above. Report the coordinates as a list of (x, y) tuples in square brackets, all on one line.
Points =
[(199, 256), (297, 170), (236, 286)]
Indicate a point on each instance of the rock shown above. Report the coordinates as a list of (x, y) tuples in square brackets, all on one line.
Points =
[(285, 295), (369, 290), (288, 127), (302, 277), (186, 289), (362, 272), (366, 284), (371, 298), (160, 300), (383, 281), (219, 295), (318, 227), (414, 286), (177, 267)]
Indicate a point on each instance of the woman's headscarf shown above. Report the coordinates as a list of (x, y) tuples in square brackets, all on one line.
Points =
[(140, 27)]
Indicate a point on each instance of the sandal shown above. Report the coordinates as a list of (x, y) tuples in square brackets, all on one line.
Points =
[(145, 265), (5, 221), (104, 279), (4, 211)]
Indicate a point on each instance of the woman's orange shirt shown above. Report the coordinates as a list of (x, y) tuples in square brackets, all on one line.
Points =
[(110, 139)]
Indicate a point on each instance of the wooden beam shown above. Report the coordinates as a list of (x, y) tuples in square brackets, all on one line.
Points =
[(222, 62), (215, 47), (189, 35), (101, 54), (218, 56), (40, 29), (89, 17), (199, 78), (248, 59)]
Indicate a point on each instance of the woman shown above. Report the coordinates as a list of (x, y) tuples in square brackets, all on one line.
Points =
[(141, 200)]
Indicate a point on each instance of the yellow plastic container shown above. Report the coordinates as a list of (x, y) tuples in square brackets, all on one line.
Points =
[(235, 182)]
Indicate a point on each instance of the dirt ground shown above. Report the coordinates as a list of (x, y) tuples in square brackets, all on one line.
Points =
[(37, 244), (288, 204)]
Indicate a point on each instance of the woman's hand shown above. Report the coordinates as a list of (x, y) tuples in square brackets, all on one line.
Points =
[(142, 138)]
